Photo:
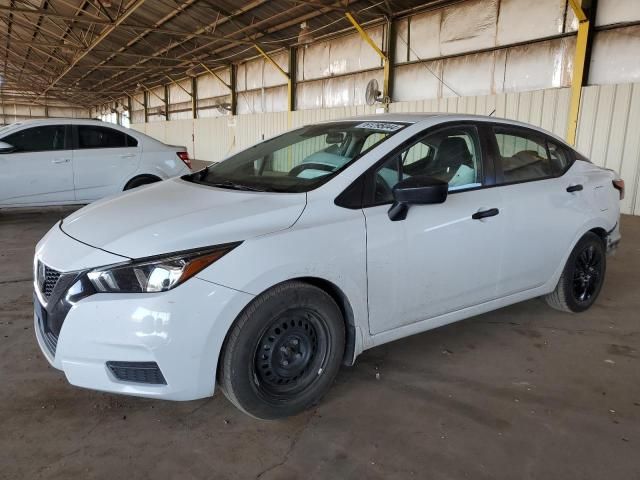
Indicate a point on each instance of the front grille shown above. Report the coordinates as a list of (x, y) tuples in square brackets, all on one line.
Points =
[(47, 279), (53, 299), (50, 339), (137, 372)]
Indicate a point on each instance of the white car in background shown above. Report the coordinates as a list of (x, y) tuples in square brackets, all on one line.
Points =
[(68, 161), (269, 270)]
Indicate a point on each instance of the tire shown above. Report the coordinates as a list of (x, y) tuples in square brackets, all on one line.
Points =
[(283, 352), (582, 277), (139, 181)]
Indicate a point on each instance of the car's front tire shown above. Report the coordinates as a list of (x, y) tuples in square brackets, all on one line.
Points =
[(283, 351), (582, 277)]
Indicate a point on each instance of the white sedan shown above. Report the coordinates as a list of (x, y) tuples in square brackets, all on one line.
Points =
[(264, 273), (65, 161)]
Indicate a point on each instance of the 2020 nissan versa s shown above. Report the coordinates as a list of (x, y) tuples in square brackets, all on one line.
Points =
[(264, 273)]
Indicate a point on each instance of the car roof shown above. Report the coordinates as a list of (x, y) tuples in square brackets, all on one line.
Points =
[(58, 120), (443, 117)]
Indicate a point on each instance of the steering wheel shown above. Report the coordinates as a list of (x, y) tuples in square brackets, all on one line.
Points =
[(295, 171)]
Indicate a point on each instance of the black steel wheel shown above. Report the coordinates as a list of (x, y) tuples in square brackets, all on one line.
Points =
[(587, 274), (582, 277), (283, 352), (290, 354)]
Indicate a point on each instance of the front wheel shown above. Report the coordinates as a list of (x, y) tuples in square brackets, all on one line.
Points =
[(283, 352), (582, 277)]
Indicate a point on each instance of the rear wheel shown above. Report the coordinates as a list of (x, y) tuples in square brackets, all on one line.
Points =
[(141, 180), (582, 277), (283, 352)]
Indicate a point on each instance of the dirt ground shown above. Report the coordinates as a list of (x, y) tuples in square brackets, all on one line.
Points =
[(521, 393)]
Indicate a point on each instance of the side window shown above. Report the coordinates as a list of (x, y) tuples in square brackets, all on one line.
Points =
[(560, 158), (37, 139), (131, 142), (523, 155), (93, 136), (451, 155)]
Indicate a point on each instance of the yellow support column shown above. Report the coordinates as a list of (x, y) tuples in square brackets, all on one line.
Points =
[(287, 76), (385, 58), (579, 62)]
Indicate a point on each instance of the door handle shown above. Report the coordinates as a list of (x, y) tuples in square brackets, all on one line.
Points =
[(492, 212), (574, 188), (127, 155), (61, 160)]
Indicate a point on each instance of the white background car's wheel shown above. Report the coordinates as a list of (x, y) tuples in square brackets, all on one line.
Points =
[(141, 180)]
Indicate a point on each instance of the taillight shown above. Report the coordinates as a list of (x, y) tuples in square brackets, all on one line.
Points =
[(619, 185), (184, 156)]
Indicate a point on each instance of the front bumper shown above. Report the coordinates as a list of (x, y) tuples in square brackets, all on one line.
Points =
[(181, 330)]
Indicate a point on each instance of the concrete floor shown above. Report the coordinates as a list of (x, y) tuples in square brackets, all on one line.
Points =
[(524, 392)]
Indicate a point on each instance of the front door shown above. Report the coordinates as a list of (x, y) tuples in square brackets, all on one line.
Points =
[(39, 169), (440, 258)]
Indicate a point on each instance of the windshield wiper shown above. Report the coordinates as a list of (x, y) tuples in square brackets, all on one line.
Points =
[(235, 186)]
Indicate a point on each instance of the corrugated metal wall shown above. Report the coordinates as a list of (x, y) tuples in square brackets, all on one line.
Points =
[(11, 112), (609, 134), (607, 131)]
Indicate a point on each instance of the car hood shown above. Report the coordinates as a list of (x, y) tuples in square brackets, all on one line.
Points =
[(178, 215)]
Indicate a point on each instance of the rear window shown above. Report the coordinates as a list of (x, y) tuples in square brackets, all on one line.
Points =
[(94, 136)]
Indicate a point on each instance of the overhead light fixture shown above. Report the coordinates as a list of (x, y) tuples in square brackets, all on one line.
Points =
[(305, 37)]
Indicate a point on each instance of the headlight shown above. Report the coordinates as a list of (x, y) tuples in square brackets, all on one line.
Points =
[(156, 274)]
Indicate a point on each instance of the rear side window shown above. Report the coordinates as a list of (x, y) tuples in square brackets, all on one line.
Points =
[(93, 136), (560, 157), (37, 139), (527, 155)]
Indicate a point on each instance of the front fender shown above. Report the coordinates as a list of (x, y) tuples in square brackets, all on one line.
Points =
[(334, 252)]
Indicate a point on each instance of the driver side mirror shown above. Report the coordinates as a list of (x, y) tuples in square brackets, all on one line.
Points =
[(418, 190), (6, 148)]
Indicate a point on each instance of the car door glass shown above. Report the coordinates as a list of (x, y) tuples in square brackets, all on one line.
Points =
[(37, 139), (523, 155), (93, 136), (560, 158), (451, 155)]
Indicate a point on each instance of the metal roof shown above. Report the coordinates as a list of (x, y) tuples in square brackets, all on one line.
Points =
[(86, 52)]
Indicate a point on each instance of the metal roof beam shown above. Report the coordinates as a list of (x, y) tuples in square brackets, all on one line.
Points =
[(104, 34)]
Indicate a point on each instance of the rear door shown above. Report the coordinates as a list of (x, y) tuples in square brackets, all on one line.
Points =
[(544, 204), (39, 170), (103, 159)]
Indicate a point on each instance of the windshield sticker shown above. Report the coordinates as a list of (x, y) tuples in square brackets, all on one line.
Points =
[(382, 126)]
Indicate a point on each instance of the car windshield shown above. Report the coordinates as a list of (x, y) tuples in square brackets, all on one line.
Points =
[(297, 161)]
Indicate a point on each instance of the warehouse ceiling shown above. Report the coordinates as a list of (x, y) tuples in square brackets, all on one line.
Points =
[(86, 52)]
